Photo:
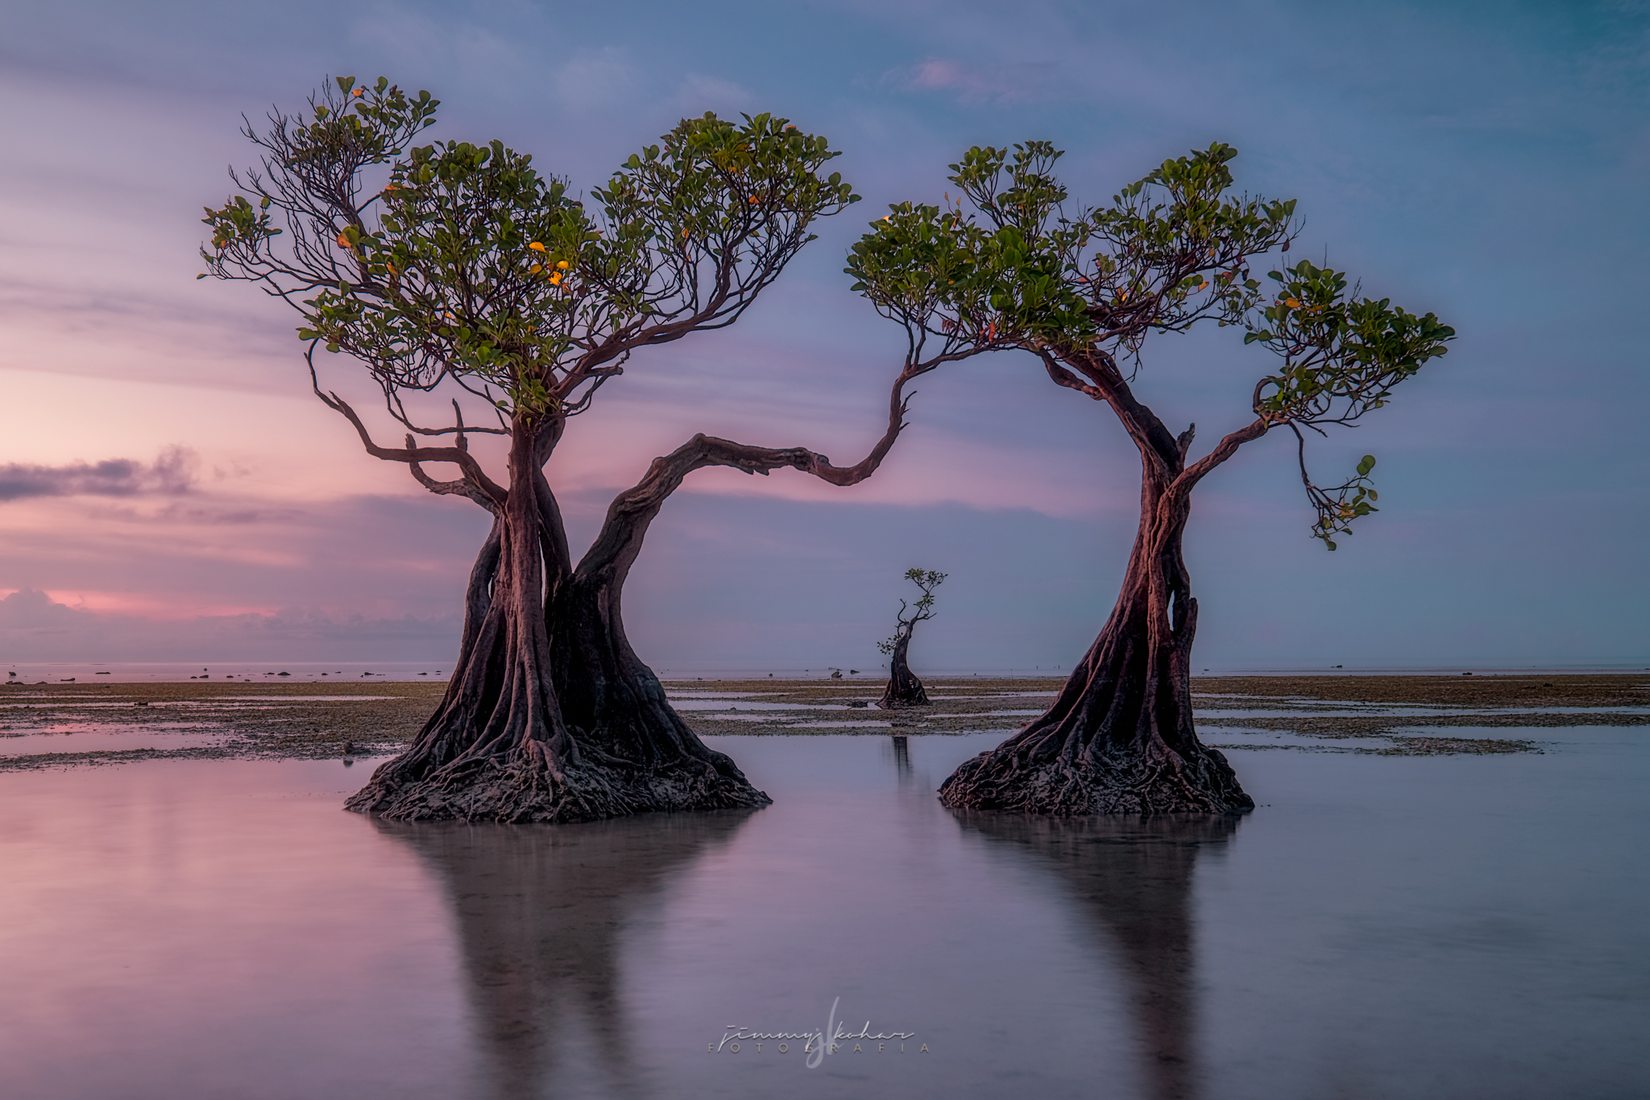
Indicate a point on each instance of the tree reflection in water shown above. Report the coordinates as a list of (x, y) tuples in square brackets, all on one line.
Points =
[(902, 757), (544, 916), (1130, 878)]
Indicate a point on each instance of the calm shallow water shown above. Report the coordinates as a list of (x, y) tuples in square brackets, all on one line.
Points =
[(1380, 927)]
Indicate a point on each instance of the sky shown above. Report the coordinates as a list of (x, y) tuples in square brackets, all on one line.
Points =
[(171, 490)]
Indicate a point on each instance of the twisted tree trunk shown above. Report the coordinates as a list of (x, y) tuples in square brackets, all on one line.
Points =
[(904, 688), (549, 716), (1119, 737), (607, 692)]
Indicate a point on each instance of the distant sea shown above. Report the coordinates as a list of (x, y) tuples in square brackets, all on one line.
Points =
[(28, 672)]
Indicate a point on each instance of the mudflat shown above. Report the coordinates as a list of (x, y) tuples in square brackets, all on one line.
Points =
[(70, 724)]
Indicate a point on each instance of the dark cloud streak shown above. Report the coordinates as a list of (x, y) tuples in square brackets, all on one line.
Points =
[(172, 473)]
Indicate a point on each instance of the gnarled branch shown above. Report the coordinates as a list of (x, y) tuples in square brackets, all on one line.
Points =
[(1226, 448), (477, 484), (633, 510)]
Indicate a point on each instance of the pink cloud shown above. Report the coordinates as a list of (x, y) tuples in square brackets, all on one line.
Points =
[(34, 626), (154, 606), (975, 83)]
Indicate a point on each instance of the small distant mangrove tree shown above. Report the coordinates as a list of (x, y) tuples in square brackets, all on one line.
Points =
[(904, 688)]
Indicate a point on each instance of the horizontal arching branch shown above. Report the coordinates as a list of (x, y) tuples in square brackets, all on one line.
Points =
[(628, 517)]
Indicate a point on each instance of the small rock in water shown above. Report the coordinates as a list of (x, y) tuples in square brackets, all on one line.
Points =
[(285, 673), (858, 704), (349, 748), (70, 680)]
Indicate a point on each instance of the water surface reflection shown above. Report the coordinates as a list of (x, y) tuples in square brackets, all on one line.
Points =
[(543, 919), (1129, 880), (900, 747), (1387, 926)]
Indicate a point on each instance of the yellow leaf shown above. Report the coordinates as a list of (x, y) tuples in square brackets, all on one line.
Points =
[(536, 246), (555, 280), (561, 265), (536, 268)]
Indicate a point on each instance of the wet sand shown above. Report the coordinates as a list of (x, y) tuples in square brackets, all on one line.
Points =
[(62, 724)]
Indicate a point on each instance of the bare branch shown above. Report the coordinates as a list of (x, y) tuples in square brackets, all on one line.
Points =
[(411, 454), (1221, 451), (633, 510)]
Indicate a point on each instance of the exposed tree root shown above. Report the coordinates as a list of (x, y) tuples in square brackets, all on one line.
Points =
[(524, 785), (902, 695), (1112, 781)]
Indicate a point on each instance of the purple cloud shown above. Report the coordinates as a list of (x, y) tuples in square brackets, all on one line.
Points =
[(171, 473)]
